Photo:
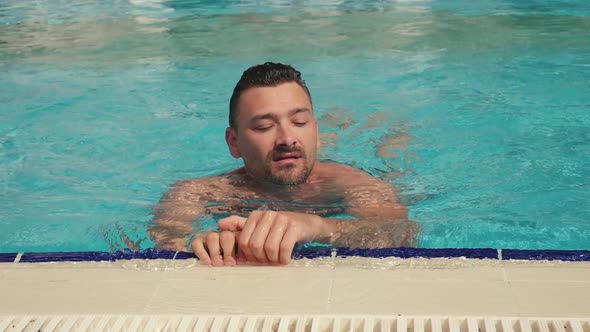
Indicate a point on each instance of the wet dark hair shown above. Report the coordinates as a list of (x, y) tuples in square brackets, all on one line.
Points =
[(264, 75)]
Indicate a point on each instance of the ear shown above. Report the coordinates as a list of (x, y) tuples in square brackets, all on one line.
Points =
[(232, 142), (317, 135)]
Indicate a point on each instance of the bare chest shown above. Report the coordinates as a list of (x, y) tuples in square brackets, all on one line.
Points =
[(318, 200)]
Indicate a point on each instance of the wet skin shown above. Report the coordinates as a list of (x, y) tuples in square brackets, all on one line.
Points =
[(282, 195)]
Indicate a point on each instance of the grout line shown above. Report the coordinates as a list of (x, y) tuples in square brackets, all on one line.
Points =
[(504, 274), (330, 291), (333, 255)]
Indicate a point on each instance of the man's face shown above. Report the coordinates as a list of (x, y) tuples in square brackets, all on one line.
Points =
[(277, 135)]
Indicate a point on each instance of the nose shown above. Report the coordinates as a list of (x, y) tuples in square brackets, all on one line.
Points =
[(285, 137)]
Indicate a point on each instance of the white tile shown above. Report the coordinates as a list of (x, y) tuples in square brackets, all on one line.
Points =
[(552, 298), (418, 293), (556, 273), (244, 290)]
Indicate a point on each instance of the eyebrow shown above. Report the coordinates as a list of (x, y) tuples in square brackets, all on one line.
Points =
[(299, 110), (274, 117)]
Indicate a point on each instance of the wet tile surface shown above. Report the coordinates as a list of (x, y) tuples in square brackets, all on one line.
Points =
[(418, 293), (143, 286), (552, 298), (244, 289), (566, 272)]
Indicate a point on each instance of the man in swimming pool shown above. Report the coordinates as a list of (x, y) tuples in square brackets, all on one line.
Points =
[(282, 195)]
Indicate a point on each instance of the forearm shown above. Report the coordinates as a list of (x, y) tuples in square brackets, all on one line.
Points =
[(174, 216), (170, 234), (164, 239), (361, 233), (374, 234)]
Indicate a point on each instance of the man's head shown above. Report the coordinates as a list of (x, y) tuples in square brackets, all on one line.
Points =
[(272, 127)]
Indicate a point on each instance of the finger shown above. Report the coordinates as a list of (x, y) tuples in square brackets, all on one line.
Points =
[(274, 239), (214, 249), (231, 223), (286, 247), (227, 240), (246, 233), (240, 257), (258, 239), (199, 250), (242, 260)]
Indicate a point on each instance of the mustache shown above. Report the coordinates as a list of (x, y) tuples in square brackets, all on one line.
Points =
[(280, 149)]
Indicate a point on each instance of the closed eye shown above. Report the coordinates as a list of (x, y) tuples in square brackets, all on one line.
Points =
[(263, 128), (300, 123)]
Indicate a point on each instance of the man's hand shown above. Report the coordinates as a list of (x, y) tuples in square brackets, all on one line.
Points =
[(268, 237), (215, 248), (265, 237)]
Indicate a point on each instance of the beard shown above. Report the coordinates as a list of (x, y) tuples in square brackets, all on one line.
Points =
[(291, 174)]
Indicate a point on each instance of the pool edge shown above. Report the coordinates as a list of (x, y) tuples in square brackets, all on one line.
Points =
[(326, 285)]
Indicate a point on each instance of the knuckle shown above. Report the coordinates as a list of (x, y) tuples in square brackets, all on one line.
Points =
[(198, 239), (270, 248), (225, 235), (256, 246), (212, 236), (242, 242), (267, 216), (286, 247), (292, 224)]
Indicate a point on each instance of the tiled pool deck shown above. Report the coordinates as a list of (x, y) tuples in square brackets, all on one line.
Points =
[(378, 282)]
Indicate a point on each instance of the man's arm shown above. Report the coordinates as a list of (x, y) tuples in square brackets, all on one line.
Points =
[(381, 221), (174, 215), (268, 237)]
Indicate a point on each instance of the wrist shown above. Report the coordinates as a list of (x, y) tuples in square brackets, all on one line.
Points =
[(315, 228), (325, 229)]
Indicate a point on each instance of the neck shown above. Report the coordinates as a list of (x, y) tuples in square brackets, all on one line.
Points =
[(266, 185)]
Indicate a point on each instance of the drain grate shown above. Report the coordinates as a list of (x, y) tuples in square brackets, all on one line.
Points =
[(311, 323)]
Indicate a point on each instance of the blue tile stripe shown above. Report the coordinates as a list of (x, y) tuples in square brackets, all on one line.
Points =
[(300, 253), (8, 257), (419, 252), (96, 256), (550, 255)]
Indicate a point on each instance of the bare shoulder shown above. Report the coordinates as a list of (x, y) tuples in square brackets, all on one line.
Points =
[(196, 187), (334, 167), (340, 171), (186, 184), (363, 191)]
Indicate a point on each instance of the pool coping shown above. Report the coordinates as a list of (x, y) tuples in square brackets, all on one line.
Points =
[(334, 285), (310, 253), (325, 281)]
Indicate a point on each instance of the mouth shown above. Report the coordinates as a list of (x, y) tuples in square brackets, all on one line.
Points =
[(284, 158)]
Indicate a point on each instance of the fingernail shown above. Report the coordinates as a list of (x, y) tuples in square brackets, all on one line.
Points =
[(217, 261)]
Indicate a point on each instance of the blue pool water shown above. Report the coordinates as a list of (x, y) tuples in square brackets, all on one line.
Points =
[(481, 108)]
